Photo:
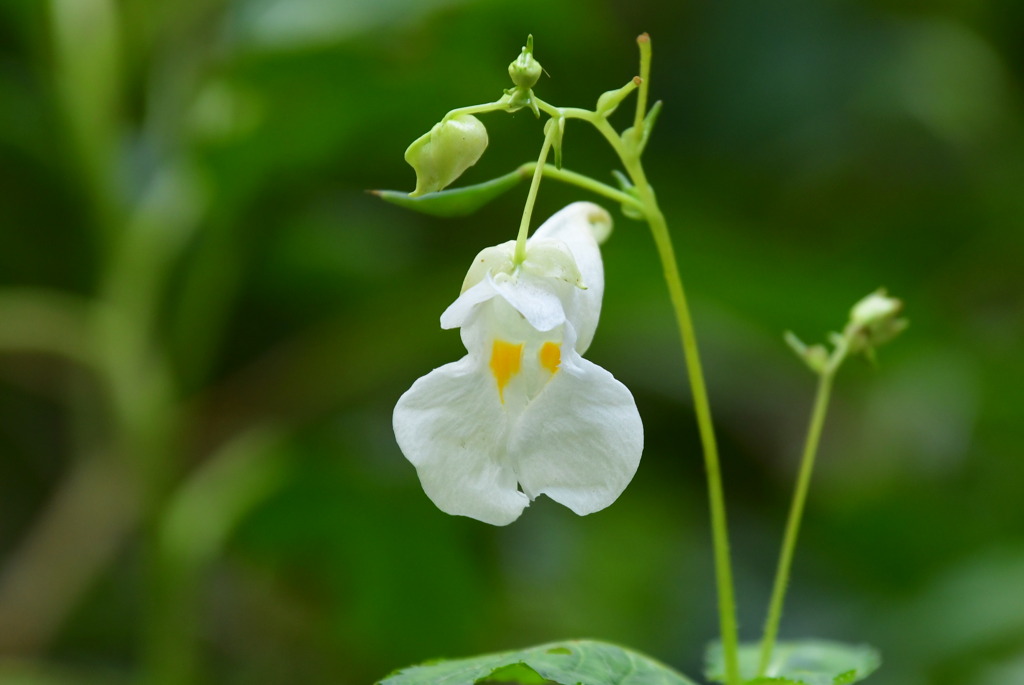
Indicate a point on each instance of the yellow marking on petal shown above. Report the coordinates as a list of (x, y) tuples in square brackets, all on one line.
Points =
[(506, 359), (551, 356)]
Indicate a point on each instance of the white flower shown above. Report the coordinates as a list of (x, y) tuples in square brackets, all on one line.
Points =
[(523, 407)]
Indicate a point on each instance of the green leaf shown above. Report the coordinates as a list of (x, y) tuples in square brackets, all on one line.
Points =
[(566, 663), (455, 201), (521, 674), (808, 662)]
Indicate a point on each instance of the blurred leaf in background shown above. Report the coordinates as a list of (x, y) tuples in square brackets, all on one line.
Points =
[(187, 180)]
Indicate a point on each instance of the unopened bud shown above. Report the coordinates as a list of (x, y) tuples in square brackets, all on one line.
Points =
[(525, 70), (607, 103), (873, 321), (875, 308), (442, 154)]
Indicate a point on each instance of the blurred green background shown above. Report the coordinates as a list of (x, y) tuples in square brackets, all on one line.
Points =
[(205, 323)]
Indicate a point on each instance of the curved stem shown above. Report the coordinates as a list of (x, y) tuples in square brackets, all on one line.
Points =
[(629, 155), (565, 112), (582, 181), (499, 104), (531, 198), (824, 392), (702, 408), (38, 320)]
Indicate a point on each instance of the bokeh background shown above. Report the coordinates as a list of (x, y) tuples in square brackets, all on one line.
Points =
[(205, 323)]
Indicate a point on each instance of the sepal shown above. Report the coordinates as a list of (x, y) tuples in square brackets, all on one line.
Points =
[(629, 211), (555, 127)]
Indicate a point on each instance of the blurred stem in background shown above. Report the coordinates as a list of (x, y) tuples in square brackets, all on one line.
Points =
[(874, 320), (130, 476), (86, 44)]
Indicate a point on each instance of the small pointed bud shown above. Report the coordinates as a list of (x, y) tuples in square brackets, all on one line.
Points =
[(442, 154), (525, 70), (609, 101)]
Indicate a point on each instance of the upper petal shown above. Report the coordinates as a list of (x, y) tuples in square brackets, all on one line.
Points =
[(581, 226), (539, 299), (580, 440), (451, 426), (535, 297), (459, 311)]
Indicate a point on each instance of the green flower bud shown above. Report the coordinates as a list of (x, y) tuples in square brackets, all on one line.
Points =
[(608, 102), (525, 70), (873, 321), (441, 155), (874, 309)]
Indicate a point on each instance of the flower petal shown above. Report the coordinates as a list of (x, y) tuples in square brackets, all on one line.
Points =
[(579, 441), (460, 310), (532, 296), (451, 426), (579, 226)]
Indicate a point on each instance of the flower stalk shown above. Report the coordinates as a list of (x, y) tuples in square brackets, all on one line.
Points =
[(821, 400), (531, 197), (873, 321)]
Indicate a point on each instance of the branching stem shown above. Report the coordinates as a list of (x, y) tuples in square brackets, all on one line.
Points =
[(582, 181)]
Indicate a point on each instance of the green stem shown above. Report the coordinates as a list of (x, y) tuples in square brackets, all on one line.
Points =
[(581, 181), (719, 525), (702, 408), (499, 104), (644, 42), (771, 626), (629, 155), (531, 198), (566, 112)]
